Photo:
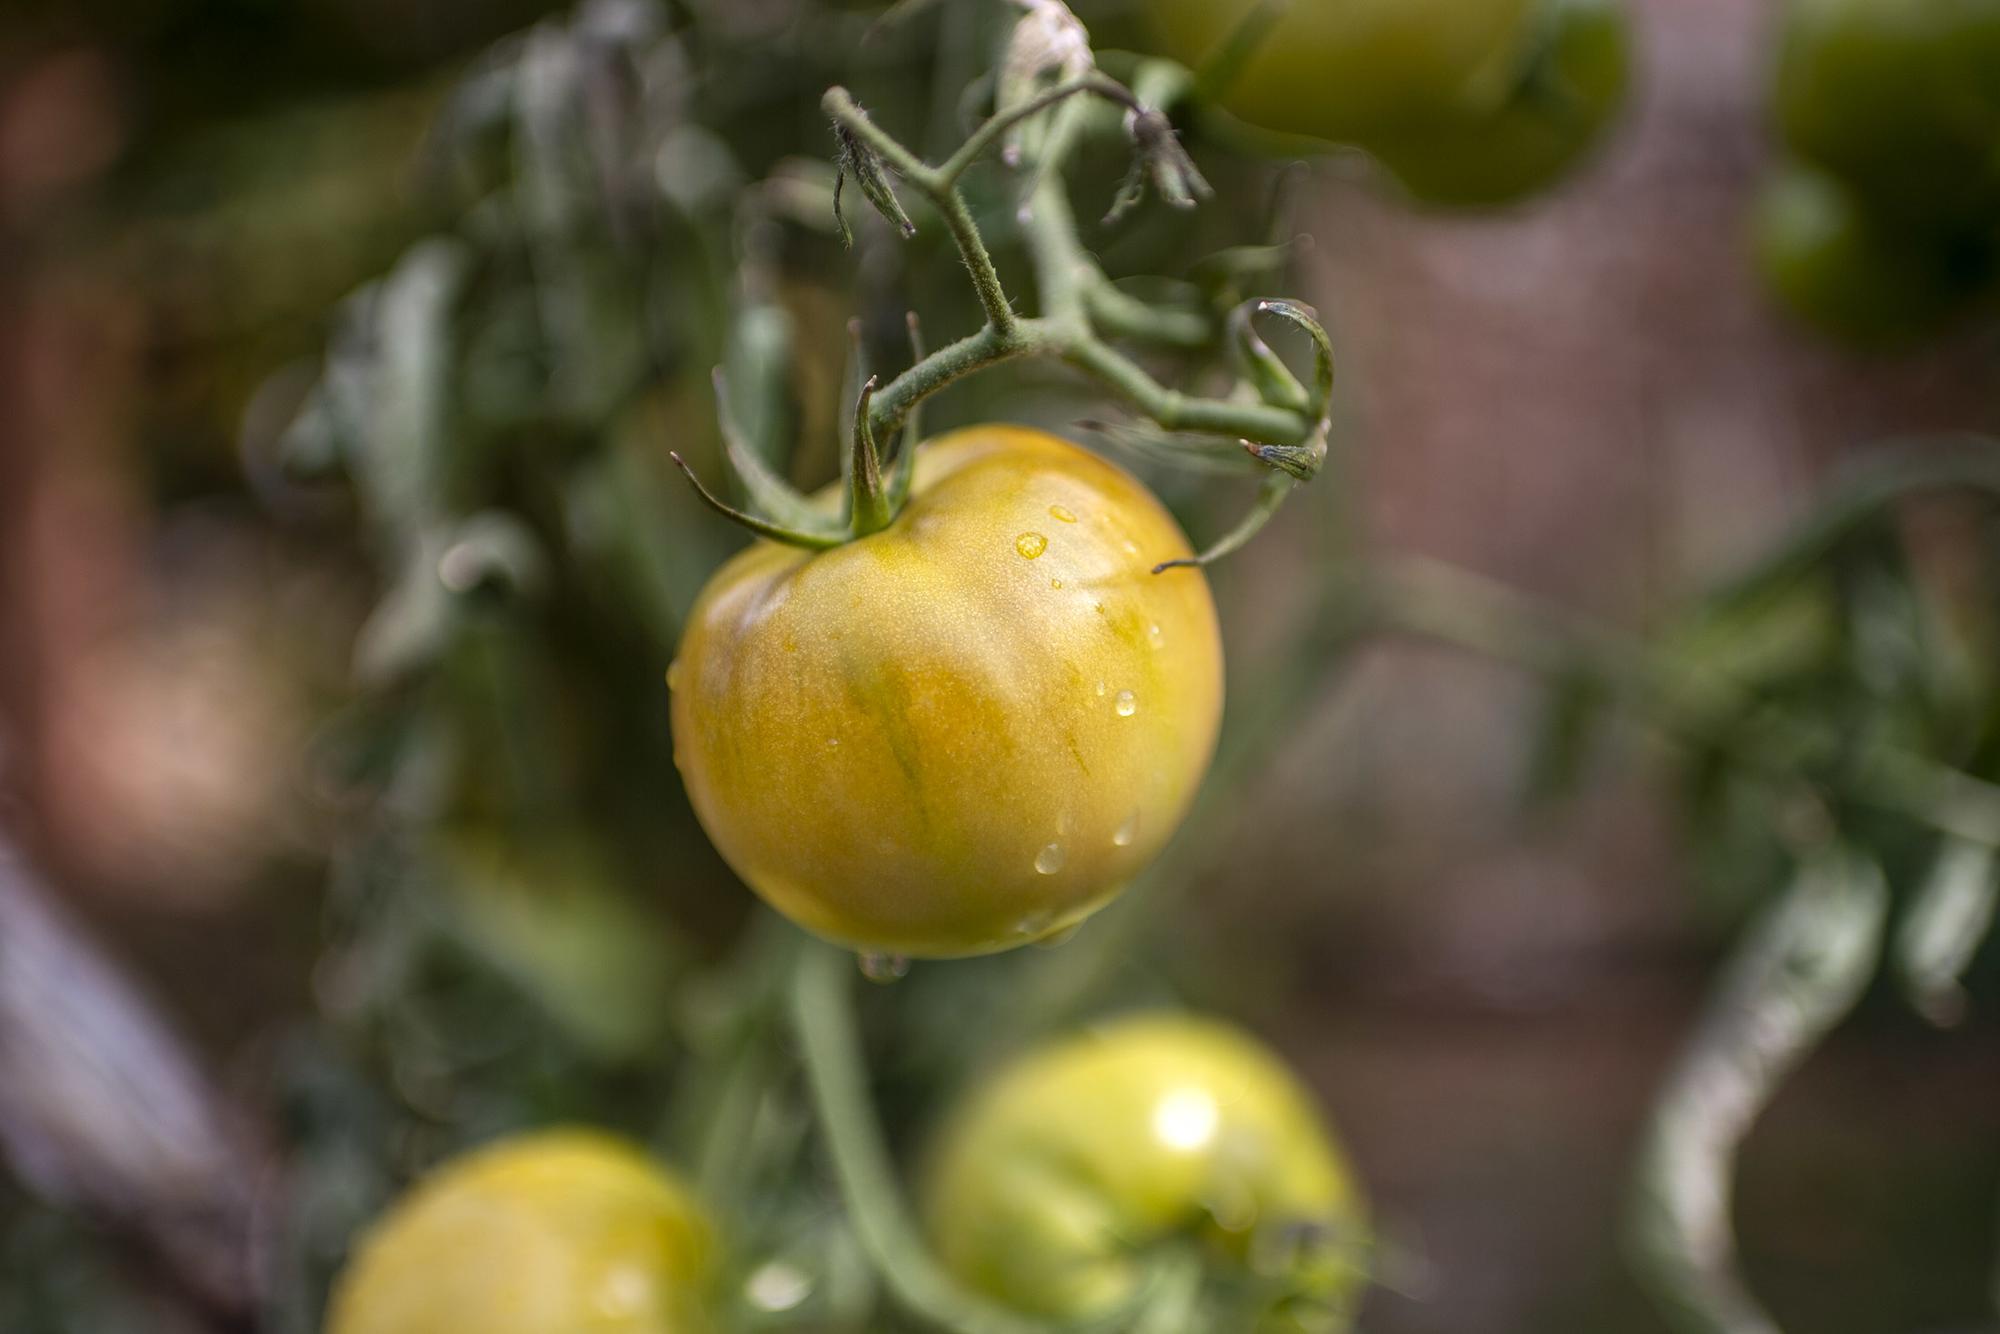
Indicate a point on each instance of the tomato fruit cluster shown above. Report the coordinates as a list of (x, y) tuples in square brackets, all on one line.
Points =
[(547, 1233), (1885, 223), (1466, 102), (1062, 1185), (964, 732)]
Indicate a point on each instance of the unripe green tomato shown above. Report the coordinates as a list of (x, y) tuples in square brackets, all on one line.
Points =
[(1056, 1185), (1852, 274), (1569, 91), (1899, 97), (964, 732), (1342, 69), (555, 1232)]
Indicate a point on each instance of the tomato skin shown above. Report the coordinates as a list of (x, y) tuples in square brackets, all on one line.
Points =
[(1339, 71), (1901, 98), (552, 1232), (1050, 1183), (1568, 94), (1853, 274), (964, 732)]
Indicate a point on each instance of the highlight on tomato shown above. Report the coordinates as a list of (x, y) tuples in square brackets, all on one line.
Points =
[(965, 731), (1072, 1181), (549, 1232)]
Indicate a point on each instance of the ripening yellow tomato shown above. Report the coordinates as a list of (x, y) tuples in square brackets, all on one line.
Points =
[(555, 1232), (1340, 71), (964, 732), (1057, 1185)]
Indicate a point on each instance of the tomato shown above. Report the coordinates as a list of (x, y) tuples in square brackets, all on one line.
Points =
[(1567, 93), (968, 730), (554, 1232), (1338, 71), (1900, 97), (1854, 275), (1055, 1185)]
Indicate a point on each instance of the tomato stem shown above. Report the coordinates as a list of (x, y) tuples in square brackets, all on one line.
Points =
[(830, 1045), (1283, 426)]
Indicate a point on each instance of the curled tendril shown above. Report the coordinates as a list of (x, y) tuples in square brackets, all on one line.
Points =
[(1290, 465)]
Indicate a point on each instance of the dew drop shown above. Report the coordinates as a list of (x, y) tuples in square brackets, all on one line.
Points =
[(833, 743), (674, 674), (1035, 923), (884, 968), (1055, 583), (1060, 514), (1123, 835), (1126, 704), (1055, 938), (1031, 544), (1050, 859), (1153, 635), (1100, 690), (1131, 547), (1065, 823)]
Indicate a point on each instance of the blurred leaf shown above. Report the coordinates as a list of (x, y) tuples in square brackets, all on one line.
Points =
[(1799, 969), (547, 906), (1573, 715), (1941, 931)]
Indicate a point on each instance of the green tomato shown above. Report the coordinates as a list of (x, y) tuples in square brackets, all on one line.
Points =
[(964, 732), (556, 1232), (1341, 70), (1900, 97), (1058, 1185), (1569, 90), (1856, 275)]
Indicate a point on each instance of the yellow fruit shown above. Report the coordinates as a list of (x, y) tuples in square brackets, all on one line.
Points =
[(557, 1232), (964, 732)]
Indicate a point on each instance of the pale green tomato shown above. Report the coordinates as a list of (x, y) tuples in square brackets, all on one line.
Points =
[(1342, 69), (1854, 274), (557, 1232), (964, 732), (1899, 97), (1569, 90), (1057, 1184)]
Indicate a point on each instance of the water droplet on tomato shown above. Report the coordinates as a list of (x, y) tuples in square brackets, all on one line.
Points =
[(884, 968), (1050, 859), (1031, 544), (1153, 635), (1061, 514), (1055, 938), (1126, 704), (1035, 923), (1123, 835), (674, 674)]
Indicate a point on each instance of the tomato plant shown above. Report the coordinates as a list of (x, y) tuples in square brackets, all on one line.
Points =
[(557, 1230), (965, 731), (1566, 94), (1063, 1186), (1341, 72)]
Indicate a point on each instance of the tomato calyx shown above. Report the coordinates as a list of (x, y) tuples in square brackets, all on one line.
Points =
[(778, 510)]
